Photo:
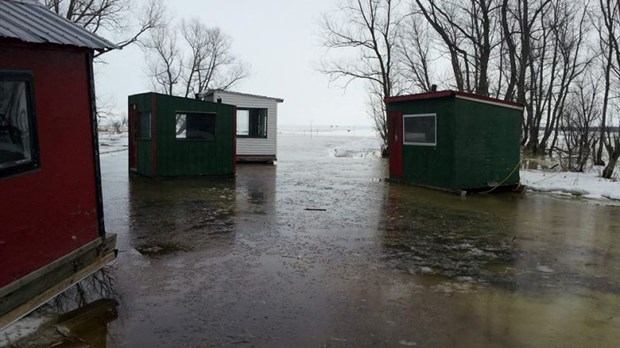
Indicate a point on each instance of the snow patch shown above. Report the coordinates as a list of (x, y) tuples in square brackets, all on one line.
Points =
[(544, 269), (22, 328), (587, 185), (361, 148)]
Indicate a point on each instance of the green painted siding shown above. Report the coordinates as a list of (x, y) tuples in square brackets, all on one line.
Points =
[(144, 157), (477, 144), (430, 165), (184, 157), (486, 144)]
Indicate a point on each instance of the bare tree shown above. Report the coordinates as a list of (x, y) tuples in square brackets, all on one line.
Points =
[(211, 63), (519, 19), (612, 145), (371, 28), (163, 60), (468, 30), (203, 59), (545, 45), (417, 53), (606, 19), (567, 24), (577, 124), (118, 17)]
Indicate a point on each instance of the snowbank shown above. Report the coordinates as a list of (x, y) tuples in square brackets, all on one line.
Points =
[(588, 185)]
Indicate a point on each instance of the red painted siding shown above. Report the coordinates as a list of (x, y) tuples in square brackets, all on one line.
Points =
[(133, 150), (395, 143), (50, 212)]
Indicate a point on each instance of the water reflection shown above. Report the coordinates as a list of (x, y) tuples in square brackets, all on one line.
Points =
[(78, 317), (255, 190), (438, 234), (380, 265), (181, 214)]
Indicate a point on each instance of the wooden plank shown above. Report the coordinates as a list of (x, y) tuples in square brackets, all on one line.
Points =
[(38, 273), (44, 284), (48, 279)]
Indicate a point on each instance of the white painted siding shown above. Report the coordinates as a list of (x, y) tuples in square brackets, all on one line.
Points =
[(254, 146)]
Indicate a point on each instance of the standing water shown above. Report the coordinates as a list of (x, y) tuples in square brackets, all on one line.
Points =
[(321, 251)]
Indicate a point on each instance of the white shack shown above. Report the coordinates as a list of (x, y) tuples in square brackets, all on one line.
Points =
[(257, 122)]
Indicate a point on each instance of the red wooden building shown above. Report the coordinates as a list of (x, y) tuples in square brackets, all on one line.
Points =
[(51, 220)]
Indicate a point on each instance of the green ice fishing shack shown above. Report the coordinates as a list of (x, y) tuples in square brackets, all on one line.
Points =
[(174, 136), (454, 140)]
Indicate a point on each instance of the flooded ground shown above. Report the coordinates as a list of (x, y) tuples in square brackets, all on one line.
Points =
[(321, 251)]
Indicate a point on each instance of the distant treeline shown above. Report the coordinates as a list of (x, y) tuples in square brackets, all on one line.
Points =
[(591, 129)]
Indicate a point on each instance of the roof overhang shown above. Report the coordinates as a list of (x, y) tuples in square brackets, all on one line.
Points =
[(454, 94), (31, 22)]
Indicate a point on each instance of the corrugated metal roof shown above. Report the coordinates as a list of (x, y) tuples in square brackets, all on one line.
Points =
[(30, 21)]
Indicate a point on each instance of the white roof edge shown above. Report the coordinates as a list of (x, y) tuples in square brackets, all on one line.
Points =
[(211, 91), (490, 102)]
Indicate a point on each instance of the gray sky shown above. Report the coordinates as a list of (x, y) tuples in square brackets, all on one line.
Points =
[(278, 39)]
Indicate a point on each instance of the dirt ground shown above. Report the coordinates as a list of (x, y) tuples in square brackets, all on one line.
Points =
[(320, 251)]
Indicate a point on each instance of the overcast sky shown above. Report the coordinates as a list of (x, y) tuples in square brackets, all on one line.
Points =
[(278, 39)]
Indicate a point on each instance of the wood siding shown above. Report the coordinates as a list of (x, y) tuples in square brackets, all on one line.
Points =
[(477, 144), (165, 155), (50, 212), (487, 144), (254, 146)]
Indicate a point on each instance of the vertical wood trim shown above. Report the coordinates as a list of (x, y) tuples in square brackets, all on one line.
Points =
[(234, 141), (93, 120), (154, 134)]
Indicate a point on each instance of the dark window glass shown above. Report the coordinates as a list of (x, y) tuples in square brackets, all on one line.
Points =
[(420, 129), (18, 136), (195, 126), (144, 128), (252, 123)]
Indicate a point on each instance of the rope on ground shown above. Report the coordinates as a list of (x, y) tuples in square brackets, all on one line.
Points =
[(505, 179)]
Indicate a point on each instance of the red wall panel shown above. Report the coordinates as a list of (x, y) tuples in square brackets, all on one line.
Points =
[(50, 212)]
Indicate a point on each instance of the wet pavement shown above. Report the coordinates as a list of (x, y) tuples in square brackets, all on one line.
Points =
[(321, 251)]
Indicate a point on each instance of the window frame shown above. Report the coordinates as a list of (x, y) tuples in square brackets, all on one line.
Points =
[(405, 142), (34, 163), (249, 136), (183, 112)]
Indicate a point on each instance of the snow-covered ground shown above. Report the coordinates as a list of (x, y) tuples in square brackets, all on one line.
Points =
[(24, 327), (588, 185)]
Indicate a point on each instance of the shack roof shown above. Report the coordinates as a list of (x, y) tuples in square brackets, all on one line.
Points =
[(30, 21), (211, 91), (453, 94)]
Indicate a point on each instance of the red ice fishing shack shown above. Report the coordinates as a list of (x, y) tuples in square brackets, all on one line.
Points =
[(51, 217)]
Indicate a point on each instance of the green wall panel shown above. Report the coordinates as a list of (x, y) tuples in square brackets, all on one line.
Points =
[(477, 144), (486, 145), (184, 157), (430, 165)]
